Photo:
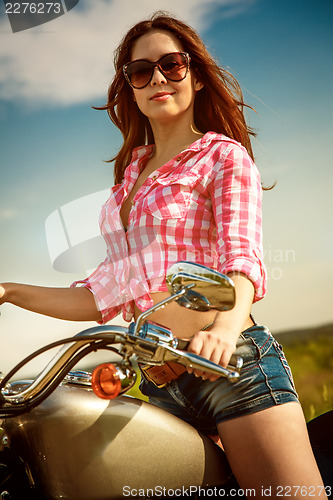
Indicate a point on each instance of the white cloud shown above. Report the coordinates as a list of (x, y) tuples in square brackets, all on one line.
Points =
[(8, 214), (70, 60)]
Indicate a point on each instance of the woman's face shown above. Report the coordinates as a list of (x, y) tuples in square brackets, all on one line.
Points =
[(162, 100)]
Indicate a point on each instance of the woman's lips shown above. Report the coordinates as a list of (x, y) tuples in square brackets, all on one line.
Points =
[(161, 96)]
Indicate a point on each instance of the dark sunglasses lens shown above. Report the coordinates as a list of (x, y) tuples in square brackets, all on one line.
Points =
[(174, 66), (139, 73)]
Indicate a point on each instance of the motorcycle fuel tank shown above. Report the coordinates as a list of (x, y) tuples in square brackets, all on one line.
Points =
[(80, 447)]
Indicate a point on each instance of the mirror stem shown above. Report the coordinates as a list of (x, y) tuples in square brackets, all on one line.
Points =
[(159, 305)]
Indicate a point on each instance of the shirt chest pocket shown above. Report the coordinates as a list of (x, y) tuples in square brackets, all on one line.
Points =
[(170, 198)]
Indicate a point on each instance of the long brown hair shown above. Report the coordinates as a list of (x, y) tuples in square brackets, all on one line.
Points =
[(218, 105)]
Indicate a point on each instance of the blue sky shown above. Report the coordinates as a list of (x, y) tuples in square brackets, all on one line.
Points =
[(52, 143)]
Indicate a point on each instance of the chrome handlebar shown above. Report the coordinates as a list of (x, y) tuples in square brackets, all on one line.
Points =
[(57, 363), (147, 342)]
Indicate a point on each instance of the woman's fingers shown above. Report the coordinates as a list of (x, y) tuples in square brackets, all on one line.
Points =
[(213, 346), (195, 346)]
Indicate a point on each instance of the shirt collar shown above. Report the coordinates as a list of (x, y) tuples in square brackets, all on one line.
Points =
[(142, 152)]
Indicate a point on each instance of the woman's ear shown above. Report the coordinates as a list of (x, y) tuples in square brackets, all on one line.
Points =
[(197, 84)]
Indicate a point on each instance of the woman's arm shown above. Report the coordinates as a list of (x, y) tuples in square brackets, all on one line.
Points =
[(73, 304), (219, 343), (236, 195)]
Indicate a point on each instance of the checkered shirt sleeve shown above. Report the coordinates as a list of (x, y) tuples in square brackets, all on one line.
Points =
[(236, 194)]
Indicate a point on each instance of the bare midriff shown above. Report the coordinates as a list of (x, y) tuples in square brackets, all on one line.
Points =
[(183, 323)]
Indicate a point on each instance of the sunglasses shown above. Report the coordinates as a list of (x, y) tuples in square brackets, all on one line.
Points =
[(173, 66)]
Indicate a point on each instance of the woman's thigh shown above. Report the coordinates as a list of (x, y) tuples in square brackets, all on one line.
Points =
[(270, 451)]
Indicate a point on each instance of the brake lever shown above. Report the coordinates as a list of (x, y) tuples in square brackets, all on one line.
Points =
[(196, 362)]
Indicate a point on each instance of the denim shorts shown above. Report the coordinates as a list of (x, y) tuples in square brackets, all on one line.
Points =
[(265, 381)]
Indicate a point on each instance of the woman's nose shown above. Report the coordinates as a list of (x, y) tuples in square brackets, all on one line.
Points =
[(157, 77)]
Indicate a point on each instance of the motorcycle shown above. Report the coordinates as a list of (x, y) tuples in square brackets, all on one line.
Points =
[(76, 435)]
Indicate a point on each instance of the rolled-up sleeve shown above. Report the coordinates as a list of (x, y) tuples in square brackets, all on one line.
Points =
[(236, 194), (104, 288)]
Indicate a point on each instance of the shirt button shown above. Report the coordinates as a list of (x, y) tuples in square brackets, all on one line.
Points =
[(178, 158), (154, 177)]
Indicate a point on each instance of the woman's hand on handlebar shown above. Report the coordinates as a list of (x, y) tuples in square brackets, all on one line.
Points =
[(219, 343), (216, 346)]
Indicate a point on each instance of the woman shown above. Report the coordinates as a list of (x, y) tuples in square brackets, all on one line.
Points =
[(187, 189)]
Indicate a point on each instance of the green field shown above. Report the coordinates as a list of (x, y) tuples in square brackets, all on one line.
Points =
[(311, 361)]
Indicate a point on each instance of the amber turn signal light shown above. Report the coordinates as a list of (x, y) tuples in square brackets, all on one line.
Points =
[(105, 381)]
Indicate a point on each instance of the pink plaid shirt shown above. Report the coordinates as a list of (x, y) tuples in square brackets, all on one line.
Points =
[(202, 206)]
